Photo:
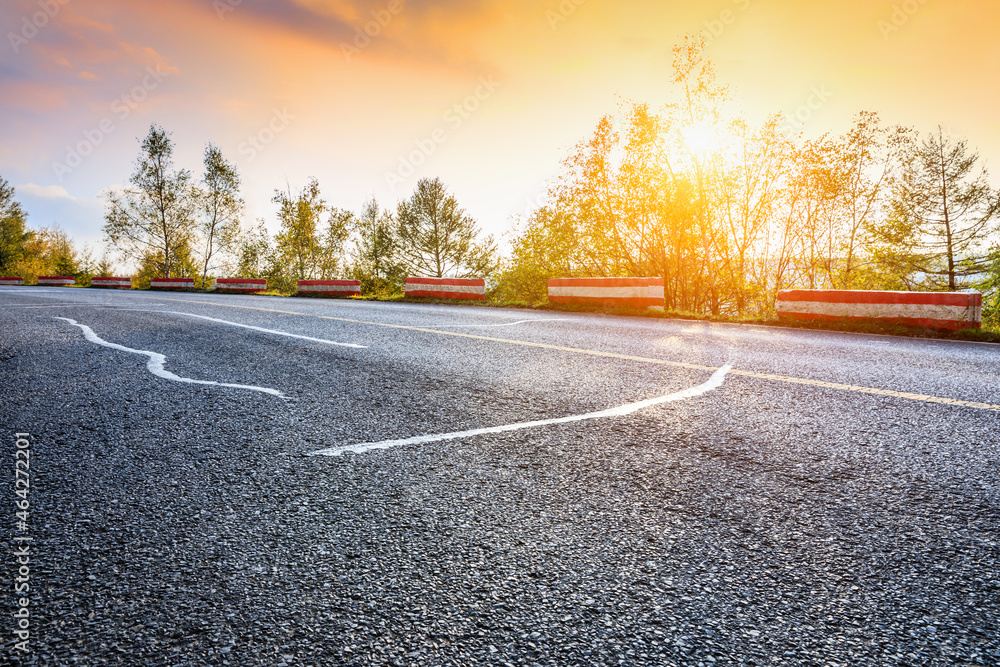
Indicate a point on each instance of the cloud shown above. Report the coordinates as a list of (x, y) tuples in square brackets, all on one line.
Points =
[(74, 60), (443, 33), (44, 191)]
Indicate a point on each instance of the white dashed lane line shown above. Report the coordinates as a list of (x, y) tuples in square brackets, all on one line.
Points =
[(77, 304), (505, 324), (263, 330)]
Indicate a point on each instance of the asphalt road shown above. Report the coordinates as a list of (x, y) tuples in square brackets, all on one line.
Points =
[(824, 499)]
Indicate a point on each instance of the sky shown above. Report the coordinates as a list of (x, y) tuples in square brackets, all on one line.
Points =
[(369, 96)]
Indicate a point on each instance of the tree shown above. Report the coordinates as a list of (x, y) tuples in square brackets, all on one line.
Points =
[(104, 267), (65, 260), (945, 206), (255, 253), (374, 259), (298, 242), (220, 207), (990, 287), (332, 244), (49, 251), (543, 249), (862, 164), (437, 238), (152, 219), (14, 235)]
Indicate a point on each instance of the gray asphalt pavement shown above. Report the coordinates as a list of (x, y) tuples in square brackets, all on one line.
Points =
[(825, 499)]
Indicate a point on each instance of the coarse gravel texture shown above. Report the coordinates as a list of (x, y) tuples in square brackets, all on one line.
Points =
[(762, 523)]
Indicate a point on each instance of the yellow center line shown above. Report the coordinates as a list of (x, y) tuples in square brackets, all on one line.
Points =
[(613, 355)]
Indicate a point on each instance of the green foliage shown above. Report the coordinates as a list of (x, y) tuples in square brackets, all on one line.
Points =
[(104, 267), (50, 251), (305, 249), (220, 209), (989, 285), (153, 219), (65, 261), (182, 264), (257, 258), (254, 252), (436, 238), (14, 235), (728, 214), (374, 260), (943, 212), (298, 243), (543, 250), (333, 245)]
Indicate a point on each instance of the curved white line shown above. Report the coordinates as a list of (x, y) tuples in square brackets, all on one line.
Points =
[(713, 383), (507, 324), (263, 330), (157, 361)]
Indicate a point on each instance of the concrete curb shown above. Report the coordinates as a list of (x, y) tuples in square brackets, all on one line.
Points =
[(446, 288)]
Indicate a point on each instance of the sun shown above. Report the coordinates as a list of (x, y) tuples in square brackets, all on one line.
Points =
[(700, 138)]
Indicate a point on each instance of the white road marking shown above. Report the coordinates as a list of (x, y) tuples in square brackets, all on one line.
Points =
[(83, 305), (650, 360), (261, 329), (200, 317), (44, 292), (713, 383), (157, 361), (506, 324)]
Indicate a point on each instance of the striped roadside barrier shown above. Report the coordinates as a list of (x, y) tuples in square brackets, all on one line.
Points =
[(330, 288), (11, 280), (111, 282), (56, 281), (935, 310), (632, 292), (243, 285), (171, 283), (445, 288)]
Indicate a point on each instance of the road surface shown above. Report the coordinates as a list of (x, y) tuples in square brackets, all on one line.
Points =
[(256, 480)]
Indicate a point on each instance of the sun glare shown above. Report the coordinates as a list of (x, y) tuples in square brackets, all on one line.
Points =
[(700, 138)]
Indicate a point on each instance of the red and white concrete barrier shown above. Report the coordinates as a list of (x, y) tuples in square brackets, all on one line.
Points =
[(244, 285), (56, 281), (936, 310), (171, 283), (446, 288), (111, 281), (13, 280), (633, 292), (334, 288)]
